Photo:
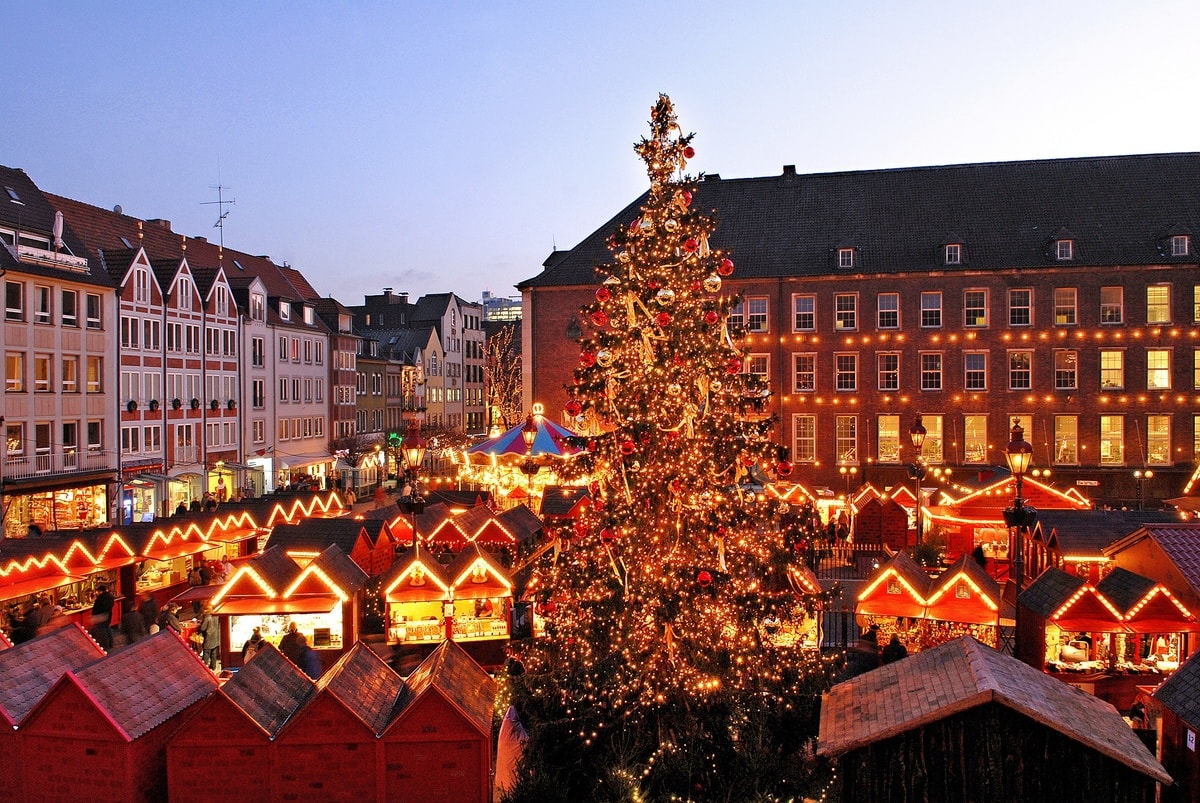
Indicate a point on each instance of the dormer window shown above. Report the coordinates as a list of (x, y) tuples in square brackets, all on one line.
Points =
[(1180, 245), (1064, 249), (954, 254), (308, 315), (285, 310), (845, 257)]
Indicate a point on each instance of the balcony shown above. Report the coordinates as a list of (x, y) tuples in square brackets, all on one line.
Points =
[(49, 464)]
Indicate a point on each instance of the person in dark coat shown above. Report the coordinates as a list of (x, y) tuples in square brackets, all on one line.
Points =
[(289, 645), (310, 662), (210, 628), (102, 609), (149, 610), (133, 624), (894, 650), (169, 618)]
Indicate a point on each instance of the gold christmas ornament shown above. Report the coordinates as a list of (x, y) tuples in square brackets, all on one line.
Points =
[(665, 296), (712, 283), (604, 358)]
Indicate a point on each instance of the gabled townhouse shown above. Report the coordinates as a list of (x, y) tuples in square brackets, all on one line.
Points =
[(459, 325), (59, 459), (343, 367)]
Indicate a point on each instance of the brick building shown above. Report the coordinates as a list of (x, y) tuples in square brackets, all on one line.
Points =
[(1061, 292)]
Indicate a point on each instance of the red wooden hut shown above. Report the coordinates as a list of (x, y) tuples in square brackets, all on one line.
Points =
[(1179, 724), (1160, 626), (882, 522), (27, 672), (439, 747), (303, 540), (894, 598), (963, 600), (101, 732), (234, 732), (330, 751)]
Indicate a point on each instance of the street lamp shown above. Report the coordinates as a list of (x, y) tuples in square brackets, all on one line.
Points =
[(413, 448), (917, 469), (529, 468), (847, 473), (1018, 517), (1141, 475)]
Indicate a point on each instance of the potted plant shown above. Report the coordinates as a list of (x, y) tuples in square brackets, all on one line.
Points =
[(131, 405), (153, 404), (176, 404), (195, 404)]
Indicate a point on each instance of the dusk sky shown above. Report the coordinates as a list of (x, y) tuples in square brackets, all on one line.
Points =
[(441, 146)]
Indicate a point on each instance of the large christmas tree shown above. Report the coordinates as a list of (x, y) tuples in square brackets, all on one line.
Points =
[(657, 676)]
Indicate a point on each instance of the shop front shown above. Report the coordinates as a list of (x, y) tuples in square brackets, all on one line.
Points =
[(75, 508)]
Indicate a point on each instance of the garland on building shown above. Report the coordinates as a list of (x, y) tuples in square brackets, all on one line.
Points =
[(657, 675)]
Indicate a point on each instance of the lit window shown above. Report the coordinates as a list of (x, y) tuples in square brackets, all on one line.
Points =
[(1066, 439), (1158, 440), (804, 438), (1112, 304), (1112, 440), (1064, 306), (1158, 369), (1158, 303), (888, 438), (1112, 369)]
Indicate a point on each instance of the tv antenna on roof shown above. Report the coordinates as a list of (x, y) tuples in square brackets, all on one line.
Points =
[(223, 213)]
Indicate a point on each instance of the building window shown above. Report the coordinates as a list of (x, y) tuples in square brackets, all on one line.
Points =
[(845, 372), (130, 330), (70, 374), (1112, 304), (758, 365), (1158, 440), (258, 394), (845, 257), (283, 390), (804, 313), (285, 311), (95, 436), (1066, 362), (14, 301), (975, 309), (737, 315), (975, 439), (931, 372), (41, 373), (1180, 246), (14, 372), (953, 254), (151, 334), (1064, 250), (1158, 369), (1020, 370), (1020, 307), (847, 439), (141, 286), (1112, 369), (888, 438), (889, 311), (1112, 440), (259, 430), (756, 314), (42, 312), (931, 310), (14, 439), (932, 448), (1158, 303), (804, 438), (804, 373), (889, 371), (70, 308), (1066, 440), (1064, 306), (975, 368), (1196, 304), (258, 347), (92, 311), (845, 311)]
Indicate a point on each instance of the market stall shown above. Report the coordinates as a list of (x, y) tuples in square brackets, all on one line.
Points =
[(416, 593), (963, 601), (894, 599), (1162, 631)]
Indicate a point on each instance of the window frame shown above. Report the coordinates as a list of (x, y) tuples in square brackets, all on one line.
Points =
[(887, 378), (1112, 305), (1064, 310), (931, 375), (1015, 308), (975, 308), (930, 313), (845, 312), (1016, 371), (845, 372), (1158, 310), (975, 378), (892, 311), (811, 359), (810, 313), (1062, 374)]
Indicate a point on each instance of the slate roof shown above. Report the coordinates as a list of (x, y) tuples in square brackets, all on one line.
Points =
[(348, 575), (1124, 589), (961, 675), (522, 521), (1181, 544), (979, 576), (366, 685), (1005, 214), (33, 211), (453, 498), (28, 670), (560, 500), (317, 534), (1050, 590), (427, 558), (1181, 692), (138, 701), (269, 689), (449, 671), (1086, 533)]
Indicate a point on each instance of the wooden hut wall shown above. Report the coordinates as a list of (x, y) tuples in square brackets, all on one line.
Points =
[(1181, 761), (326, 753), (432, 736), (988, 753), (219, 736)]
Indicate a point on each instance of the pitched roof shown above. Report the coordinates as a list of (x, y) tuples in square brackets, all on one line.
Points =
[(1181, 692), (366, 685), (451, 672), (316, 533), (1124, 589), (897, 219), (1050, 590), (560, 500), (522, 521), (1086, 533), (28, 670), (1180, 542), (961, 675), (138, 701), (340, 568), (33, 211), (270, 689)]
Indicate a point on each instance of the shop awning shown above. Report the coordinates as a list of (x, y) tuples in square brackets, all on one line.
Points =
[(36, 585), (177, 549), (196, 594), (313, 604), (295, 461), (149, 478)]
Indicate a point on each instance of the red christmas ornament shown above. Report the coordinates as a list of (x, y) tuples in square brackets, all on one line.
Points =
[(676, 486), (721, 530), (663, 319), (802, 545), (600, 318), (704, 578), (726, 267), (628, 447), (588, 358), (687, 198), (591, 447), (603, 294), (696, 286), (783, 468), (607, 536), (644, 438), (573, 407), (711, 317), (691, 245), (580, 531), (689, 152), (734, 366), (633, 227), (654, 284), (673, 435)]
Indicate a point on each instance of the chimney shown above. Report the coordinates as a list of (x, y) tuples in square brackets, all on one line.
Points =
[(403, 298), (165, 225)]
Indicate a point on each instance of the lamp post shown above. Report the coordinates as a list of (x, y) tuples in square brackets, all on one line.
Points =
[(529, 468), (917, 468), (847, 473), (1018, 517), (413, 448), (1141, 475)]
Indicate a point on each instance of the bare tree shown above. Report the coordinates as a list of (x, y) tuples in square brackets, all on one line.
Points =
[(502, 375), (353, 448)]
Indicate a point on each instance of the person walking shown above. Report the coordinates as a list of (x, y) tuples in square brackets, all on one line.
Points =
[(894, 650), (102, 608), (210, 629)]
